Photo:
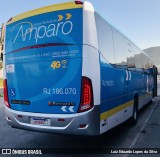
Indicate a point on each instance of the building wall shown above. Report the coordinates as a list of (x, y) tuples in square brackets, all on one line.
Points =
[(154, 53)]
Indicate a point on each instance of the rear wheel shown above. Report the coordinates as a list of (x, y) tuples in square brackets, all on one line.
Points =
[(153, 93), (134, 117), (152, 96)]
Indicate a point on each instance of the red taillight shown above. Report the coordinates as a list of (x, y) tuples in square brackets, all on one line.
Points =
[(82, 126), (20, 116), (61, 119), (86, 95), (78, 2), (5, 90), (9, 20)]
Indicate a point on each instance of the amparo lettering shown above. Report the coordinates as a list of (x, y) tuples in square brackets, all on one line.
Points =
[(36, 33)]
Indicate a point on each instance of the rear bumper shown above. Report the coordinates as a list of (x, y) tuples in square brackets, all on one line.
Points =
[(71, 124)]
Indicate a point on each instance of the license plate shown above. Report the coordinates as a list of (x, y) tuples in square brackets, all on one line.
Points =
[(39, 121)]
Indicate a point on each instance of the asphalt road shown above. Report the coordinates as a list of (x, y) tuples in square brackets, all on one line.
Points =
[(158, 87), (119, 137)]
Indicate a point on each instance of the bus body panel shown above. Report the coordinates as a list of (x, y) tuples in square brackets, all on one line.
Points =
[(53, 56), (71, 125), (120, 80), (38, 85), (62, 27), (91, 64), (44, 62)]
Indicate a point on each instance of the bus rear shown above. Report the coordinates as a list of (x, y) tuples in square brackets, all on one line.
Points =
[(44, 86)]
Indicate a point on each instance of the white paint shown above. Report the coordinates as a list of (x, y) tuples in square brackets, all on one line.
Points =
[(116, 119), (1, 73), (91, 65), (126, 75), (91, 69), (64, 109), (10, 68), (130, 75), (41, 31), (103, 128), (71, 109), (89, 26), (46, 91)]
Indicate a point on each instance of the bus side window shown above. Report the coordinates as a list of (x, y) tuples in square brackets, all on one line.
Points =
[(130, 56), (120, 50), (139, 60), (105, 39), (147, 62)]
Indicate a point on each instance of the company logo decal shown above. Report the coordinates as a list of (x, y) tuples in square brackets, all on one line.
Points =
[(66, 106), (35, 31), (61, 17)]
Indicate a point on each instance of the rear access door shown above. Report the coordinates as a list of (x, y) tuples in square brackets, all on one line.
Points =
[(43, 57)]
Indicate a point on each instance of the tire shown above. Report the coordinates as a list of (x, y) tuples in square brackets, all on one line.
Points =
[(152, 96), (153, 93), (134, 117)]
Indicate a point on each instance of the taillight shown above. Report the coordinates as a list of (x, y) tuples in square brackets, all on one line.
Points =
[(78, 2), (86, 95), (5, 91), (9, 20)]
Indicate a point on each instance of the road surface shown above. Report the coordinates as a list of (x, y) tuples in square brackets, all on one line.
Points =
[(119, 137)]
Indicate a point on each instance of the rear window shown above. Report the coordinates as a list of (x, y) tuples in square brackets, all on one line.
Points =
[(63, 26)]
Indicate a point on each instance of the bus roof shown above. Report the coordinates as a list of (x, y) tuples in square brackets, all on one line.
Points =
[(55, 7)]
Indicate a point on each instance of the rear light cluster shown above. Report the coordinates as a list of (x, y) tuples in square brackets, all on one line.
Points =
[(86, 95), (5, 91), (78, 2), (9, 20)]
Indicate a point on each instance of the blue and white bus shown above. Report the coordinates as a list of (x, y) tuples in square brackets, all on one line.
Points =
[(69, 71)]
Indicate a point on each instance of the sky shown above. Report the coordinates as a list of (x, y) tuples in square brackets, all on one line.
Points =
[(139, 20)]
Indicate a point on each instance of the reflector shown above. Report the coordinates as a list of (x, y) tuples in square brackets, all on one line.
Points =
[(78, 2)]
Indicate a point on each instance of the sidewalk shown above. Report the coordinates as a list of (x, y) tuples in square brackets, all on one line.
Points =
[(149, 136)]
